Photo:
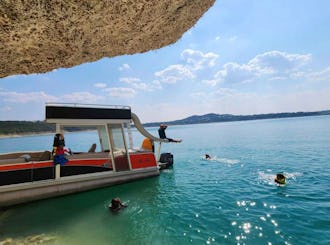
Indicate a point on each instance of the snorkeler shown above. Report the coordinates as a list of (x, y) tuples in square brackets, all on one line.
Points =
[(116, 204), (280, 179)]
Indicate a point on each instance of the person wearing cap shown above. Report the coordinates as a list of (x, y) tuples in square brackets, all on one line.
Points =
[(162, 134)]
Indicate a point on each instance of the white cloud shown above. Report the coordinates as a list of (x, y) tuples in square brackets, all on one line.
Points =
[(124, 67), (199, 60), (278, 78), (156, 84), (166, 112), (130, 80), (323, 75), (278, 62), (211, 82), (138, 84), (174, 73), (273, 65), (194, 61), (222, 92), (26, 97), (100, 85), (203, 98), (81, 97), (235, 73), (121, 92), (42, 97), (226, 40), (198, 95)]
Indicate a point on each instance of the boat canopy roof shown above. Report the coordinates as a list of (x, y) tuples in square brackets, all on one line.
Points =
[(86, 114)]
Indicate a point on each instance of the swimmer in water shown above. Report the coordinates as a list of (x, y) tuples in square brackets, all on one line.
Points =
[(207, 157), (116, 204), (280, 179)]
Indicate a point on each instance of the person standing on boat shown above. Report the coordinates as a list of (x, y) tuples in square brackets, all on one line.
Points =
[(58, 150), (162, 134)]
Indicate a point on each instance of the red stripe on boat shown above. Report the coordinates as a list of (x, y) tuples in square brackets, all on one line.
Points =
[(143, 160)]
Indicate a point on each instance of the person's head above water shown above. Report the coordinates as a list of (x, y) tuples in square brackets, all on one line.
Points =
[(116, 204), (280, 179), (163, 126)]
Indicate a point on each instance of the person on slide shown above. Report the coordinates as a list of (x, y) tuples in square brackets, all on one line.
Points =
[(162, 134)]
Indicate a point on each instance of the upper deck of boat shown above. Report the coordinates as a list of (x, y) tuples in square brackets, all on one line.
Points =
[(81, 114)]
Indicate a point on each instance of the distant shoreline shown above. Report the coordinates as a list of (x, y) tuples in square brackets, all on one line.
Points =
[(14, 129), (2, 136), (215, 118)]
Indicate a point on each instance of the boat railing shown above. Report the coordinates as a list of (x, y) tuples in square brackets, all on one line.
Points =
[(88, 155), (20, 157), (88, 105)]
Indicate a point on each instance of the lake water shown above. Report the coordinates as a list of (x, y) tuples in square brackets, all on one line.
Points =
[(230, 199)]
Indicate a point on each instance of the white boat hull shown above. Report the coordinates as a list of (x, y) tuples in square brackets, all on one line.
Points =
[(27, 192)]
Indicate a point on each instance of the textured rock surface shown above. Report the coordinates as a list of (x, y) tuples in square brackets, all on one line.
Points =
[(37, 36)]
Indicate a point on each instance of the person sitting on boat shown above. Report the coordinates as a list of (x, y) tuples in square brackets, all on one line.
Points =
[(116, 204), (280, 179), (162, 134), (207, 157), (58, 150)]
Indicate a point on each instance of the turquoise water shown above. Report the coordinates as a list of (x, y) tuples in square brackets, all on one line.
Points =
[(230, 199)]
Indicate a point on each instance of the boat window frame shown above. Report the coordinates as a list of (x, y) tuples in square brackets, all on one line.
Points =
[(103, 136), (126, 146), (109, 138), (110, 127)]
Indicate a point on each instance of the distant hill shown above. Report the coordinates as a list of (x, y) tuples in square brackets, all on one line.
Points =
[(34, 127), (212, 117), (24, 127)]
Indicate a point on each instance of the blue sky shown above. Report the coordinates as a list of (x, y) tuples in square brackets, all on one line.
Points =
[(241, 57)]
